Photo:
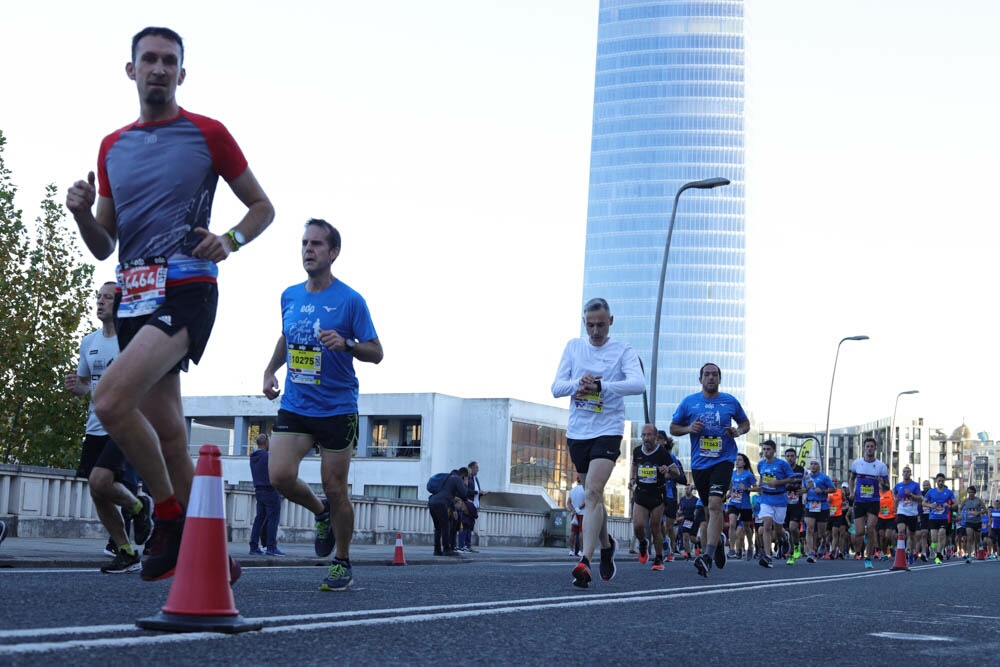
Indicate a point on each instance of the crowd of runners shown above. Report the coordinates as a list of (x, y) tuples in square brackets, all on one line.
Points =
[(822, 520)]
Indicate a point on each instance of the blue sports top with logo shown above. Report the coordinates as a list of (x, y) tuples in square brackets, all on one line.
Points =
[(321, 382), (162, 178), (712, 444)]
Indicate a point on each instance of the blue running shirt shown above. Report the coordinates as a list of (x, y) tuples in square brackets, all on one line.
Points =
[(321, 382), (716, 413)]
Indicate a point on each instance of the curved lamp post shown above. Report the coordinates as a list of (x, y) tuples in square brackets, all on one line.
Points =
[(892, 426), (829, 403), (706, 184)]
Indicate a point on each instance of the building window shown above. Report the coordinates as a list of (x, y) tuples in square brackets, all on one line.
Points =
[(388, 491), (395, 437), (539, 457)]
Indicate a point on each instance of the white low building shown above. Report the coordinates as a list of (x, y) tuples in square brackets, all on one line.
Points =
[(403, 439)]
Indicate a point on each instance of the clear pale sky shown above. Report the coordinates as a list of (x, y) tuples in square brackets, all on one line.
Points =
[(449, 141)]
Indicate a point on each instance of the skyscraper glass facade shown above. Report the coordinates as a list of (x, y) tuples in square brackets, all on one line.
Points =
[(669, 109)]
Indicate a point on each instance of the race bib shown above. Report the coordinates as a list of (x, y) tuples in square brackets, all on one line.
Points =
[(815, 506), (768, 481), (883, 512), (589, 402), (867, 490), (688, 524), (907, 505), (710, 447), (144, 286), (793, 497), (647, 472), (305, 363), (736, 495)]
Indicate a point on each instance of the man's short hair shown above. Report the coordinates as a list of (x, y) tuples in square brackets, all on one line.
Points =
[(701, 371), (472, 463), (262, 438), (332, 235), (154, 31), (972, 489), (791, 450), (769, 443), (463, 472), (596, 303), (870, 439), (940, 474)]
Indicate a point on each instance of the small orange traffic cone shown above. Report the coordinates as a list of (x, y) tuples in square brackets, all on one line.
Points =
[(900, 562), (397, 557), (200, 598)]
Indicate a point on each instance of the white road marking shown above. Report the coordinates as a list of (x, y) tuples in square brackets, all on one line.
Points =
[(912, 638), (374, 617)]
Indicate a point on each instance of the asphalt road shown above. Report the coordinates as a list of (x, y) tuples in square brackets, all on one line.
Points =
[(524, 613)]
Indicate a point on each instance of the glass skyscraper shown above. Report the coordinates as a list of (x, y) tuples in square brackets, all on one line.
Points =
[(669, 109)]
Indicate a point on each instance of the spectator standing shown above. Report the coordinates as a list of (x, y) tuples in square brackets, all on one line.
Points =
[(265, 524), (442, 506)]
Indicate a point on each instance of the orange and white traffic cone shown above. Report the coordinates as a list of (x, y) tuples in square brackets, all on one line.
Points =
[(900, 562), (200, 598), (397, 557)]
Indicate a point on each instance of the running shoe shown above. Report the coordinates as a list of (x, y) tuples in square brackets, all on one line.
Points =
[(703, 564), (658, 563), (160, 554), (750, 556), (765, 561), (720, 557), (110, 549), (734, 554), (142, 523), (797, 553), (868, 564), (256, 551), (937, 560), (123, 562), (324, 532), (608, 561), (339, 577), (790, 561), (923, 557), (275, 552), (643, 551), (810, 558), (581, 575), (968, 560), (670, 558)]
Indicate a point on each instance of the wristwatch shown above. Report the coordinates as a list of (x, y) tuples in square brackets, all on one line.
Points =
[(349, 345), (236, 236)]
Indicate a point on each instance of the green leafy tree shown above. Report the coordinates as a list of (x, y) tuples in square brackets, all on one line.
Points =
[(45, 288)]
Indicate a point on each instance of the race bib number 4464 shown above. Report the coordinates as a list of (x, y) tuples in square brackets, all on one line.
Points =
[(144, 286)]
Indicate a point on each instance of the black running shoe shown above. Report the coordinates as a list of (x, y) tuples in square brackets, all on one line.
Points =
[(765, 561), (142, 523), (703, 564), (720, 556), (110, 549), (123, 562), (608, 561), (325, 540), (160, 554)]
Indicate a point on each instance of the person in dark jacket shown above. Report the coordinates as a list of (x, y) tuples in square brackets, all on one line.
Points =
[(442, 506), (265, 524)]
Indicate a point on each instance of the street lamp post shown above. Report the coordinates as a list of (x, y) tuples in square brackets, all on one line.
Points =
[(829, 403), (892, 426), (706, 184)]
